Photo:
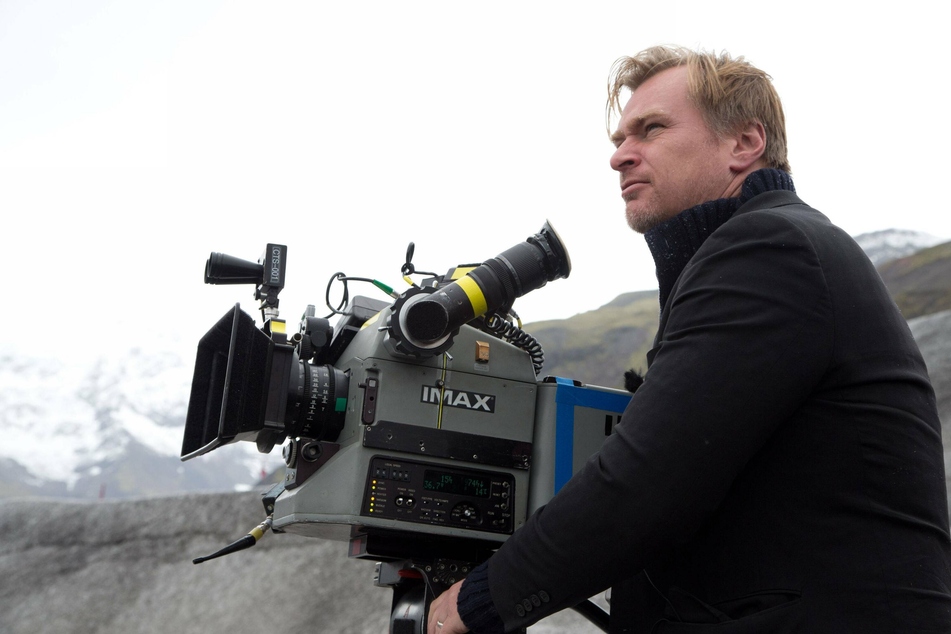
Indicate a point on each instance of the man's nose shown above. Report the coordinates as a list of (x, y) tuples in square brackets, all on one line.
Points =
[(624, 156)]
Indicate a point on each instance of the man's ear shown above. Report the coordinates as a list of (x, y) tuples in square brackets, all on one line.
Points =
[(749, 146)]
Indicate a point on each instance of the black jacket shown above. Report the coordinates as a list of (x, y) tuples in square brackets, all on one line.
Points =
[(780, 469)]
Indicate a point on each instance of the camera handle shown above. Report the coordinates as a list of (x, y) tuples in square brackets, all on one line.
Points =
[(415, 584)]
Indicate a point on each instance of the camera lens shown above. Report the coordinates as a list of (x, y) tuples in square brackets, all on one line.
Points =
[(317, 402)]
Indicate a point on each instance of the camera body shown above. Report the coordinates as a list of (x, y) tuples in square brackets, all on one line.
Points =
[(465, 444), (419, 422)]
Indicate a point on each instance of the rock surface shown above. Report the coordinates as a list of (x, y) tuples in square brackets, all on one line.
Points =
[(125, 568)]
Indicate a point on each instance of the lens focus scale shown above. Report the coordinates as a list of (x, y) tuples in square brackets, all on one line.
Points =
[(315, 413)]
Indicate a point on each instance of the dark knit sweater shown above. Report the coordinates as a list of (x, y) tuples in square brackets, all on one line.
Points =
[(675, 241), (672, 243)]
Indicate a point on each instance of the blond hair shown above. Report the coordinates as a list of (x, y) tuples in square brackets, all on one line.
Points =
[(730, 93)]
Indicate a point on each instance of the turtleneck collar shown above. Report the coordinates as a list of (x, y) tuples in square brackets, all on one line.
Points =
[(675, 241)]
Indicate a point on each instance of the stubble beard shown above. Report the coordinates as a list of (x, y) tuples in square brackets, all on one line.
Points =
[(644, 218), (653, 210)]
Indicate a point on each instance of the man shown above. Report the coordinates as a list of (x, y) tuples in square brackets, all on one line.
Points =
[(780, 469)]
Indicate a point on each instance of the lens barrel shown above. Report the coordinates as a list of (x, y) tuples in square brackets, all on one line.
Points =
[(316, 410)]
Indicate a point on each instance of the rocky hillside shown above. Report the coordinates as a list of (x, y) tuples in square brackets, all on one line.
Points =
[(933, 334), (598, 346), (920, 283), (125, 568)]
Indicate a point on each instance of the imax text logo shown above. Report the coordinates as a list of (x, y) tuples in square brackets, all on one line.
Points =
[(459, 398)]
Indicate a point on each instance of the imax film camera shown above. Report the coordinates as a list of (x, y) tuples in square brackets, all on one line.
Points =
[(416, 429)]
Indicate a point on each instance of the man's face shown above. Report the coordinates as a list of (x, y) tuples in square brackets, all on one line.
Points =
[(667, 157)]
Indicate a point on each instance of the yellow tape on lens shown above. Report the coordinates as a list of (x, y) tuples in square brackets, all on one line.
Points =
[(474, 293)]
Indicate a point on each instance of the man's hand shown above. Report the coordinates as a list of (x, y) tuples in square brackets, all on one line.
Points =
[(443, 616)]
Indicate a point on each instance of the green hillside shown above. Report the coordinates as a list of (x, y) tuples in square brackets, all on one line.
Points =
[(920, 283), (597, 347)]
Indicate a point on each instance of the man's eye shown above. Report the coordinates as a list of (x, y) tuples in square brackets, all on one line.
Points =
[(650, 127)]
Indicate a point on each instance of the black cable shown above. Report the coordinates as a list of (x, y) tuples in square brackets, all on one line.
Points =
[(507, 331), (345, 300)]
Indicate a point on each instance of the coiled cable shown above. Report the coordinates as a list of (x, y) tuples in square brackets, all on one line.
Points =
[(505, 330)]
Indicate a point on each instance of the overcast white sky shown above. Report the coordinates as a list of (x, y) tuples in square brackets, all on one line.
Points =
[(136, 137)]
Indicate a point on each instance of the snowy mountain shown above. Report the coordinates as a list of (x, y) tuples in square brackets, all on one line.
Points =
[(890, 244), (106, 428)]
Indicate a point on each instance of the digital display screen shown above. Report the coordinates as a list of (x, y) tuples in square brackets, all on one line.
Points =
[(455, 483)]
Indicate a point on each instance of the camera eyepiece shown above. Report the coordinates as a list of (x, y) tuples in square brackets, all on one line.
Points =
[(492, 286)]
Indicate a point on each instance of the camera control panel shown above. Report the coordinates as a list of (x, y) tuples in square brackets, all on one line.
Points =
[(439, 494)]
